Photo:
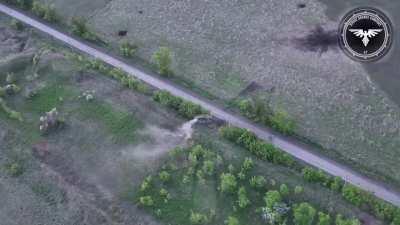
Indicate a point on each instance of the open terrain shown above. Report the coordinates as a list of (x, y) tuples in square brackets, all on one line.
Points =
[(86, 171), (281, 52)]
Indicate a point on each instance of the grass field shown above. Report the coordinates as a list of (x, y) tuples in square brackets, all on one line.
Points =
[(219, 49)]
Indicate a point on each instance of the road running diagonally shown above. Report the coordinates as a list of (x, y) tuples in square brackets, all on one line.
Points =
[(289, 145)]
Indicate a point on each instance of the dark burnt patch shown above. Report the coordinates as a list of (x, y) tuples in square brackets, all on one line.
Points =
[(301, 5), (318, 40), (122, 33)]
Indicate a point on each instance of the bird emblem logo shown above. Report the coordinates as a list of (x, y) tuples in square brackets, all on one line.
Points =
[(365, 35)]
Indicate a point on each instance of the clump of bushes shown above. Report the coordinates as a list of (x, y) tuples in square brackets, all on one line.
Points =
[(162, 59), (44, 11), (14, 169), (261, 112), (262, 150), (79, 28), (127, 49), (186, 109)]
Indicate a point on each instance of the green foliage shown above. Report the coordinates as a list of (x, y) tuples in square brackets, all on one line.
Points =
[(262, 150), (243, 200), (146, 201), (258, 182), (341, 221), (44, 11), (272, 198), (396, 219), (79, 28), (162, 59), (11, 113), (146, 184), (281, 122), (303, 214), (232, 221), (208, 167), (353, 194), (17, 25), (164, 176), (228, 183), (336, 184), (127, 49), (198, 218), (316, 176), (261, 112), (324, 219), (248, 164), (298, 190), (184, 108), (284, 190), (14, 169)]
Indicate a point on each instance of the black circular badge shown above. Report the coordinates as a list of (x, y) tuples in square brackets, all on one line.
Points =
[(365, 34)]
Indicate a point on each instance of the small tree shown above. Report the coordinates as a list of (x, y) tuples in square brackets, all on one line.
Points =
[(208, 167), (164, 176), (228, 182), (271, 198), (303, 214), (341, 221), (324, 219), (232, 221), (353, 194), (258, 182), (243, 200), (298, 190), (284, 190), (247, 164), (198, 218), (162, 59), (127, 49), (146, 201)]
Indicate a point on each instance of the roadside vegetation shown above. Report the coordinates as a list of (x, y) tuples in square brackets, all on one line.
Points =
[(204, 188), (352, 194)]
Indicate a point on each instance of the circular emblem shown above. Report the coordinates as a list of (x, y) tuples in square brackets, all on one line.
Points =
[(365, 34)]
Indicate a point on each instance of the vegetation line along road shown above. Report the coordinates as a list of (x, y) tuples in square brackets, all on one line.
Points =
[(290, 146)]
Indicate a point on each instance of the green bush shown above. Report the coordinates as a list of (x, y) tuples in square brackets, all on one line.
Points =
[(341, 221), (11, 113), (272, 198), (14, 169), (146, 201), (127, 49), (262, 150), (304, 214), (198, 218), (162, 59), (17, 25), (232, 221), (298, 190), (44, 11), (79, 28), (353, 194), (164, 176), (243, 200), (184, 108), (228, 183), (324, 219), (258, 182), (313, 175), (284, 190)]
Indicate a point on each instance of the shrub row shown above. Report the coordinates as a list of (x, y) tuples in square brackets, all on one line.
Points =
[(186, 109), (263, 151), (116, 73), (355, 195), (260, 112)]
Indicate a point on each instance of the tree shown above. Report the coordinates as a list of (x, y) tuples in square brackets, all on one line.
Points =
[(337, 184), (198, 218), (396, 219), (162, 59), (247, 164), (257, 182), (232, 221), (324, 219), (298, 190), (341, 221), (303, 214), (208, 167), (164, 176), (228, 182), (243, 200), (271, 198), (353, 194), (127, 49), (146, 184), (284, 190), (282, 122), (146, 201)]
